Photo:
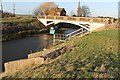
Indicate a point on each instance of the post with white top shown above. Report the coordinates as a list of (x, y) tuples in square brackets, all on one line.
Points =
[(52, 31)]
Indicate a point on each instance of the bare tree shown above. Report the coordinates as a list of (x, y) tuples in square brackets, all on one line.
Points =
[(37, 11), (44, 7), (85, 11), (47, 6)]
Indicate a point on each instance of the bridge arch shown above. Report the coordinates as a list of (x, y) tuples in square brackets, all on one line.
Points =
[(67, 25)]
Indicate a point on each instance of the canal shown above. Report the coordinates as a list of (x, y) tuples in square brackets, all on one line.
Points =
[(19, 49)]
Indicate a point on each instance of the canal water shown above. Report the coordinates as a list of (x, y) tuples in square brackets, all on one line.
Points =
[(19, 49)]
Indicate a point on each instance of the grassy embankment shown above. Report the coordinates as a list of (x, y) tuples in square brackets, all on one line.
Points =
[(21, 18), (95, 56), (19, 27)]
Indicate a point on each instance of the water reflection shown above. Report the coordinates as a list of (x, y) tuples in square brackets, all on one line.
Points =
[(18, 49), (69, 31)]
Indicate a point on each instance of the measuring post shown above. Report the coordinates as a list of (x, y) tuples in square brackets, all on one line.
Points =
[(52, 31), (53, 39)]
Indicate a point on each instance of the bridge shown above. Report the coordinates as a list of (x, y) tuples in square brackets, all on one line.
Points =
[(88, 24)]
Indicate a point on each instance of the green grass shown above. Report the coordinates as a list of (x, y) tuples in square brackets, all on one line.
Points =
[(18, 19), (85, 61)]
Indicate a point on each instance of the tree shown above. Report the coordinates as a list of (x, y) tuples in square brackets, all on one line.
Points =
[(44, 7), (37, 11), (85, 11)]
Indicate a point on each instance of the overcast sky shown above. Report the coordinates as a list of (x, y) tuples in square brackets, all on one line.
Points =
[(97, 7)]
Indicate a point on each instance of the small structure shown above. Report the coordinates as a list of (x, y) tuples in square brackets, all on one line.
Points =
[(56, 12)]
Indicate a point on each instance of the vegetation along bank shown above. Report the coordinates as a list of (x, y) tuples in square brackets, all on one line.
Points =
[(18, 27)]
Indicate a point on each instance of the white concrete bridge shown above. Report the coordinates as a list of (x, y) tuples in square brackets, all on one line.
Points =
[(87, 23)]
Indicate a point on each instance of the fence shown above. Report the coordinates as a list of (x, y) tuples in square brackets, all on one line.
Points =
[(64, 37)]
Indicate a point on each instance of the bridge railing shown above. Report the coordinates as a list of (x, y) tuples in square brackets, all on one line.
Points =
[(80, 31), (60, 37), (64, 37), (77, 19)]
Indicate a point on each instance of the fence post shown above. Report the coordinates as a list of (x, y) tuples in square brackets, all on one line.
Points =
[(69, 37), (53, 39)]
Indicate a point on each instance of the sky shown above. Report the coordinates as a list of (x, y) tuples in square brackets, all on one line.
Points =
[(97, 7)]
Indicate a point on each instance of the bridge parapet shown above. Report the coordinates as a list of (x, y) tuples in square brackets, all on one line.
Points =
[(58, 18), (76, 19), (41, 17)]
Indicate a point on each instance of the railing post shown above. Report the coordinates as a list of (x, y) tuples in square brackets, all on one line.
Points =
[(45, 17), (54, 17), (91, 20), (82, 31), (69, 37)]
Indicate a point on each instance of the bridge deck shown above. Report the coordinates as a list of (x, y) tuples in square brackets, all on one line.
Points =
[(87, 23), (76, 19)]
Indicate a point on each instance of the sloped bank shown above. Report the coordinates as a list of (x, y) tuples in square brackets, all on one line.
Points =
[(43, 58), (12, 30), (95, 56)]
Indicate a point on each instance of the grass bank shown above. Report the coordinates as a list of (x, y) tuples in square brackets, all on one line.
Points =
[(95, 56), (17, 19), (20, 27)]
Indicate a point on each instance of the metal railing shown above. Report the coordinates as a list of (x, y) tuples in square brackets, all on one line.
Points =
[(60, 37), (64, 37)]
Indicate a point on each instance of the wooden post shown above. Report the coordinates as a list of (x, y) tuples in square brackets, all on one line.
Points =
[(53, 39)]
